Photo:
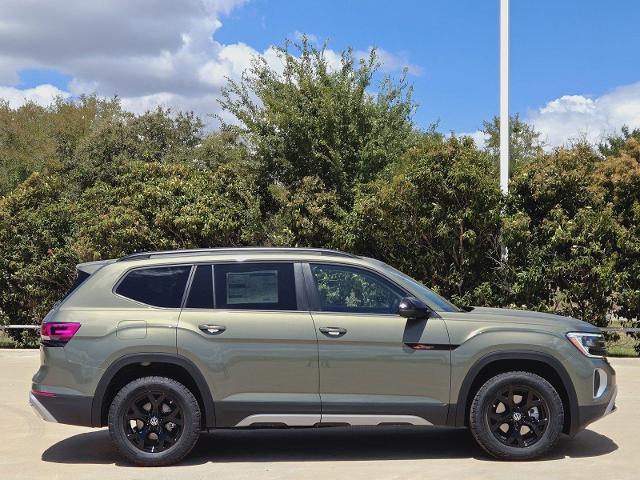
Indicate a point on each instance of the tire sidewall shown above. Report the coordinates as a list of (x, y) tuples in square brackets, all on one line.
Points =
[(178, 393), (480, 424)]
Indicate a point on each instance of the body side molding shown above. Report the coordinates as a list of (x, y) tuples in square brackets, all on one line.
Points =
[(309, 420)]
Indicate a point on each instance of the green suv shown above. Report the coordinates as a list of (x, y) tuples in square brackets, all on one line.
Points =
[(162, 346)]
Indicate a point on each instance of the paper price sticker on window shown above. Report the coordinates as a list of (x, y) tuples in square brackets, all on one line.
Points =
[(252, 287)]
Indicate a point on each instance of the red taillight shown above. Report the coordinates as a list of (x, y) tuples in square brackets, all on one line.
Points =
[(43, 394), (57, 334)]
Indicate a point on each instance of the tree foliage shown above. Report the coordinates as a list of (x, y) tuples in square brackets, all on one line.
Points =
[(313, 119), (323, 154), (525, 144), (435, 214)]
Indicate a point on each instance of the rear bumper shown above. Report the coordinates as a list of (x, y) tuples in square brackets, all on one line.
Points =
[(40, 409), (69, 409)]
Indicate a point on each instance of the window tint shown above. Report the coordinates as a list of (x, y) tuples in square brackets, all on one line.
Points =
[(258, 286), (158, 286), (201, 291), (347, 289)]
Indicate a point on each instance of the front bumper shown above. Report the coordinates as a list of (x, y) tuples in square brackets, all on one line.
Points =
[(69, 409), (591, 413), (605, 391), (611, 406)]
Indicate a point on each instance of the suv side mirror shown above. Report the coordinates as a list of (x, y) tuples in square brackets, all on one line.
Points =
[(411, 307)]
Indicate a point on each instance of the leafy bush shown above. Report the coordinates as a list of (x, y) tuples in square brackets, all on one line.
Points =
[(315, 120), (317, 158), (435, 214)]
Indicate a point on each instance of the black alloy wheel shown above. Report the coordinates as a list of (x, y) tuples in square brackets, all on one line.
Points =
[(518, 416), (153, 421)]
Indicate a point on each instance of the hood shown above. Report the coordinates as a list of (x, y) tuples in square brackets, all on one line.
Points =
[(528, 316)]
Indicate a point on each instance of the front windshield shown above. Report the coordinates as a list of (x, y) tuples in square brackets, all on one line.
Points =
[(438, 303)]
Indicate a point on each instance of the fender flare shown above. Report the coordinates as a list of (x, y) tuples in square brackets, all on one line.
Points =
[(174, 359), (458, 416)]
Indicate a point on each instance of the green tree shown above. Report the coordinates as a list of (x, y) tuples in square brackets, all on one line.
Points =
[(121, 137), (41, 139), (434, 214), (26, 144), (525, 144), (306, 216), (166, 206), (36, 263), (562, 241), (616, 183), (314, 120)]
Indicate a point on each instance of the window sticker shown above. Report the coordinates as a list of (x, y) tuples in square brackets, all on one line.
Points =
[(260, 286)]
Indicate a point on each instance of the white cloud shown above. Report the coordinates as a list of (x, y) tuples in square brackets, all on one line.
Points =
[(572, 117), (310, 37), (480, 138), (42, 95), (148, 52), (145, 51), (392, 62), (582, 117)]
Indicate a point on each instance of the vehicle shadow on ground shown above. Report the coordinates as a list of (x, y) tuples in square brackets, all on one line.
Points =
[(322, 444)]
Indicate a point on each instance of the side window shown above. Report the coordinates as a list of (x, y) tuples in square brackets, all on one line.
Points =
[(157, 286), (354, 290), (256, 286), (201, 291)]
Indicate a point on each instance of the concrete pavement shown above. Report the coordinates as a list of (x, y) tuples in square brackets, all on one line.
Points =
[(33, 449)]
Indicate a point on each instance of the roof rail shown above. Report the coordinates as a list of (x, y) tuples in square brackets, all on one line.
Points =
[(234, 250)]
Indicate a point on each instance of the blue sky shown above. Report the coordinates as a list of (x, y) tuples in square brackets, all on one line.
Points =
[(557, 47), (574, 64)]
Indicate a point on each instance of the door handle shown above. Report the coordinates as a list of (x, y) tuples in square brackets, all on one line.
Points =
[(333, 331), (212, 329)]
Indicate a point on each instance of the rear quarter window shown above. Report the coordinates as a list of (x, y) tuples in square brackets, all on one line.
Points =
[(156, 286)]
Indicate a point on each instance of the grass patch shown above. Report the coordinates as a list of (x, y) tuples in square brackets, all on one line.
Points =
[(622, 347), (6, 341)]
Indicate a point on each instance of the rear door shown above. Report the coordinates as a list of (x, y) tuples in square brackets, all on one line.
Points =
[(245, 326), (375, 366)]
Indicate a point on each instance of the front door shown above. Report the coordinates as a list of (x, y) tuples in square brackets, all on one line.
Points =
[(375, 366), (255, 345)]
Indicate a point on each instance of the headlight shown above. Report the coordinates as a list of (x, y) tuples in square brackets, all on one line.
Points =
[(590, 344)]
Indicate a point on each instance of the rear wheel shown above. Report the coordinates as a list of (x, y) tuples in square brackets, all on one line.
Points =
[(154, 421), (516, 416)]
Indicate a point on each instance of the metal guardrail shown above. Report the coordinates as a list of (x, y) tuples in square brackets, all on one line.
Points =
[(19, 327), (620, 330)]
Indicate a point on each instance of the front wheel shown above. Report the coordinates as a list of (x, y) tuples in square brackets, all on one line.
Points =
[(154, 421), (516, 416)]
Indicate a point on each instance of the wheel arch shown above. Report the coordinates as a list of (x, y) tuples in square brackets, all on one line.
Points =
[(133, 366), (539, 363)]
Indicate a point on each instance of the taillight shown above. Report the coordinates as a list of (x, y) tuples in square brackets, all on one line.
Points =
[(57, 334)]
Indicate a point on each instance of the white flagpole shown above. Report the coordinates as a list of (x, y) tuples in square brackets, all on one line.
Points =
[(504, 96)]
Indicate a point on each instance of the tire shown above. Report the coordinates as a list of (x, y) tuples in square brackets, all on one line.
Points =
[(154, 421), (512, 428)]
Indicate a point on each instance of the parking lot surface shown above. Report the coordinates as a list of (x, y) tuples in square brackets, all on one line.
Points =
[(33, 449)]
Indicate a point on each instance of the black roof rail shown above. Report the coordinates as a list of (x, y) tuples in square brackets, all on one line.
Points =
[(234, 250)]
